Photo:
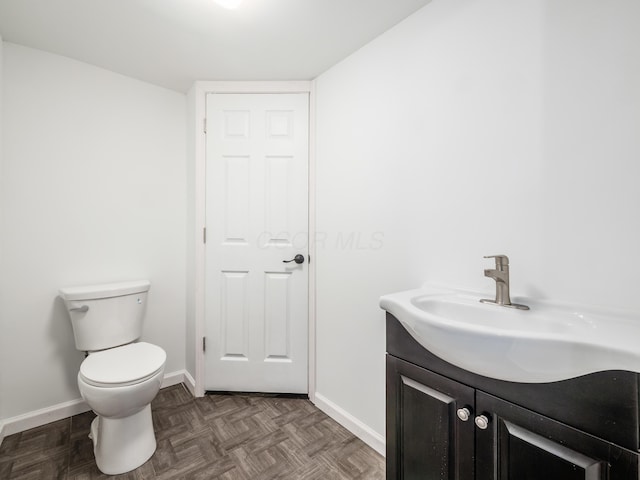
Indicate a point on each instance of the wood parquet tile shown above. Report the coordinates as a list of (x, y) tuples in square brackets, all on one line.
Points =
[(217, 437)]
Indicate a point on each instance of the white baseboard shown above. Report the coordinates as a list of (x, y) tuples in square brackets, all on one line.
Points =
[(37, 418), (190, 383), (173, 378), (1, 431), (348, 421)]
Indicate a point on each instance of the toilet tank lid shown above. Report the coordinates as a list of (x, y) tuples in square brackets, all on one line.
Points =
[(107, 290)]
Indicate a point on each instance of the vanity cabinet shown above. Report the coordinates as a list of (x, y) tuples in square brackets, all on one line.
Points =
[(445, 423), (425, 438)]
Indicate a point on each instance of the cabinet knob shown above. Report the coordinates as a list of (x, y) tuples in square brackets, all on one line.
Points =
[(464, 414), (482, 422)]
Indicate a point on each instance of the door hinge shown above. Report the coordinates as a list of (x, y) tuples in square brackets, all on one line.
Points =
[(204, 125), (204, 235), (204, 344)]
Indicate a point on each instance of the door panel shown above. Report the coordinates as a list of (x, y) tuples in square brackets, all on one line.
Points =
[(234, 321), (530, 456), (257, 216), (522, 445), (426, 438), (430, 442), (277, 317)]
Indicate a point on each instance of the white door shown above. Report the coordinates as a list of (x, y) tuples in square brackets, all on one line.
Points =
[(257, 154)]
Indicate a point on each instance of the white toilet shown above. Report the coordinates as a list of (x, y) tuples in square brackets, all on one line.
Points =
[(120, 376)]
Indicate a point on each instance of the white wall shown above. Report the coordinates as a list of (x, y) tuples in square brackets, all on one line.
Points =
[(93, 190), (475, 127)]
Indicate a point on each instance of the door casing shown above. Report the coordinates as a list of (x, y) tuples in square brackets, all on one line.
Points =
[(197, 101)]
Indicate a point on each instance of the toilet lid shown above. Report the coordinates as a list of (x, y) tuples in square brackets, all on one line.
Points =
[(123, 365)]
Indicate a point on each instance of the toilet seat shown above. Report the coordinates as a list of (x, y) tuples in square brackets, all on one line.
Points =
[(121, 366)]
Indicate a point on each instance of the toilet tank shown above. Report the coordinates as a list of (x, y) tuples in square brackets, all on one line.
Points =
[(106, 316)]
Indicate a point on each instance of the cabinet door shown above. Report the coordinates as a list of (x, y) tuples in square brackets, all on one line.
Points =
[(426, 440), (521, 445)]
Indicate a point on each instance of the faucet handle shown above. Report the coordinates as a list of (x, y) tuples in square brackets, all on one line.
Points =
[(501, 260)]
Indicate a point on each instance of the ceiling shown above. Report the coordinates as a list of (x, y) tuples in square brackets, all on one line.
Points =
[(172, 43)]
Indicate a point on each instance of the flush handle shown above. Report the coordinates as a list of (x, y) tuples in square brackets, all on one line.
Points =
[(82, 309), (298, 259)]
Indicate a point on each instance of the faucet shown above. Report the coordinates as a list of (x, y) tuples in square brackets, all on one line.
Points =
[(501, 275)]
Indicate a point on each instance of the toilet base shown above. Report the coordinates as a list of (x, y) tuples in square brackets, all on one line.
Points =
[(123, 444)]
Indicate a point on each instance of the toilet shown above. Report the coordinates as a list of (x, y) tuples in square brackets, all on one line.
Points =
[(120, 375)]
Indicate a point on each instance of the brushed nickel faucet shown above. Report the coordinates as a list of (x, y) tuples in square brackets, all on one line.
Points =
[(501, 275)]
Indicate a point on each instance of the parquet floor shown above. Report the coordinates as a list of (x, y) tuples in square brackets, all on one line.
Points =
[(230, 437)]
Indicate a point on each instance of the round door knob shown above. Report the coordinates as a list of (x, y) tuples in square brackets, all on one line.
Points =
[(482, 422), (463, 414), (298, 259)]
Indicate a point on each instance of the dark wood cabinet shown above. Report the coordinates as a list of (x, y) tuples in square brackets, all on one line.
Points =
[(521, 444), (429, 435), (432, 432)]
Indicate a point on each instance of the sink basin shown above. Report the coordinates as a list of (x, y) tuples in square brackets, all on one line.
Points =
[(545, 344)]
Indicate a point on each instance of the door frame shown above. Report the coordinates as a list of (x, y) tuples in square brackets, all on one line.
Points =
[(196, 101)]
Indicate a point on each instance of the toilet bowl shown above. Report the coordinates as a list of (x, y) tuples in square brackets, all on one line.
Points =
[(120, 375), (119, 385)]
